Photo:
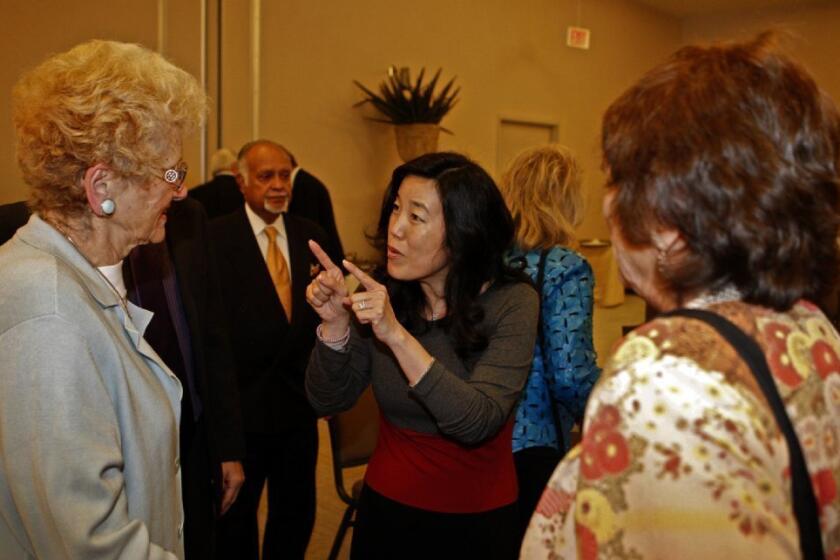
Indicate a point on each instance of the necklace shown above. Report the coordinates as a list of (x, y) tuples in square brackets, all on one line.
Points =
[(114, 289), (727, 293), (434, 314)]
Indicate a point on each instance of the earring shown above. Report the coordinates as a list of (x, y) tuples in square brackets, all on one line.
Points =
[(662, 261), (108, 206)]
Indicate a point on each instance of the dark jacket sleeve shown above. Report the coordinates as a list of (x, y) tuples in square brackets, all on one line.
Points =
[(12, 217), (225, 429), (311, 200), (336, 379)]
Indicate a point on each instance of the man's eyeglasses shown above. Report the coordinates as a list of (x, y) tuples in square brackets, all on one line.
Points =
[(176, 176)]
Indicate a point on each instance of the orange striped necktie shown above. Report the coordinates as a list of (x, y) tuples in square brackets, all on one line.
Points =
[(279, 271)]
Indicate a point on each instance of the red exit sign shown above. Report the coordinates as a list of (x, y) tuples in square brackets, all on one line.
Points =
[(577, 37)]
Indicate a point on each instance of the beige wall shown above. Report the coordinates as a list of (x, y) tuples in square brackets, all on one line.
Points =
[(815, 42), (28, 37), (236, 98), (35, 29), (510, 61)]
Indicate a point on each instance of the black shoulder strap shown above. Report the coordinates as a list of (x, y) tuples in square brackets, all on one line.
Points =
[(540, 281), (804, 501)]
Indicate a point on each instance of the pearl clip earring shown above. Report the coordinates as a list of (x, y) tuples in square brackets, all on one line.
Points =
[(108, 206)]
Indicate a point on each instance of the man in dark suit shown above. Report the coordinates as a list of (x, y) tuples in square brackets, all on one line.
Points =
[(311, 199), (266, 266), (220, 195), (177, 280)]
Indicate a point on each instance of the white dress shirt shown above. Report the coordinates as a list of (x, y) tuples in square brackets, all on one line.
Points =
[(259, 225), (114, 274)]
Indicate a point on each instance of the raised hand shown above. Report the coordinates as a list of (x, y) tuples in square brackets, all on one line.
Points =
[(327, 293), (373, 306)]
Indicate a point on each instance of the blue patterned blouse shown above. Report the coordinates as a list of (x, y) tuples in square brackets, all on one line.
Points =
[(563, 372)]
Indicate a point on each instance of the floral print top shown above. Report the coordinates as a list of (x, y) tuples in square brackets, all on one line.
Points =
[(681, 456), (564, 369)]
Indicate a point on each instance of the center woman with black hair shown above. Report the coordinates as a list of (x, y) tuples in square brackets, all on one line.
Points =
[(445, 334)]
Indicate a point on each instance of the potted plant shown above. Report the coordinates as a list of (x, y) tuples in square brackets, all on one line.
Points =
[(414, 108)]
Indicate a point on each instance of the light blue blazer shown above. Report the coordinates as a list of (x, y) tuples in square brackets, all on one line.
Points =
[(89, 414)]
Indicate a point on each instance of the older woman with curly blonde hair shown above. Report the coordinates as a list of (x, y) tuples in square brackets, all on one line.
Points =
[(542, 188), (89, 413)]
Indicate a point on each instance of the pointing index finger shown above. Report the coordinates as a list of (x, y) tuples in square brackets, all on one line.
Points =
[(363, 278), (322, 257)]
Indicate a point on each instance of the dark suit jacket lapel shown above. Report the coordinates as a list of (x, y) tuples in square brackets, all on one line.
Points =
[(251, 266), (300, 257), (151, 267), (185, 287)]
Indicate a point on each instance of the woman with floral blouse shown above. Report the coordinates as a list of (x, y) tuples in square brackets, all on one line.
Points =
[(723, 195), (542, 188)]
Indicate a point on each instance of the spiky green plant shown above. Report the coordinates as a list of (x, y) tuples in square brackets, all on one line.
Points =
[(404, 102)]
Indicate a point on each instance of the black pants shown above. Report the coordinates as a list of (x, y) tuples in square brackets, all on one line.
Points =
[(534, 466), (287, 461), (386, 529), (198, 493)]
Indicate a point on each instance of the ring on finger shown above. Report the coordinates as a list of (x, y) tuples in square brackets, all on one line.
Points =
[(362, 304)]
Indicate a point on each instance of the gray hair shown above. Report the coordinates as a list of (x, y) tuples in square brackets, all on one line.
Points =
[(222, 160)]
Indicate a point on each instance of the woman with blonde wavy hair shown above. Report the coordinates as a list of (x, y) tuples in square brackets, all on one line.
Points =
[(89, 413), (542, 188)]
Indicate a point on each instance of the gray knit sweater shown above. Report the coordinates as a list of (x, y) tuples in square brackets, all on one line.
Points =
[(466, 400)]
